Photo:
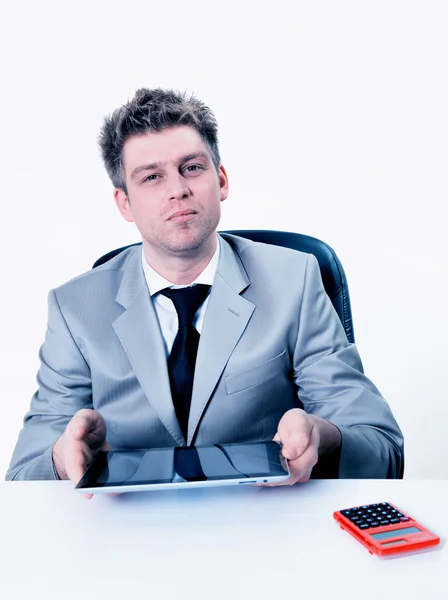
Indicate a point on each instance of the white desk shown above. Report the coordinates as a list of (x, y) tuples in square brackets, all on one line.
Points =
[(227, 543)]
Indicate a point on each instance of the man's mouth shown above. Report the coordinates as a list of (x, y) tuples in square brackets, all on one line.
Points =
[(182, 216)]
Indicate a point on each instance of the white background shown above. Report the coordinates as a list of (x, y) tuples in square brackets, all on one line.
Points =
[(333, 123)]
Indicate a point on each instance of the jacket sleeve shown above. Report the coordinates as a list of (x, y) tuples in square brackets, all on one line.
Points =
[(331, 384), (64, 387)]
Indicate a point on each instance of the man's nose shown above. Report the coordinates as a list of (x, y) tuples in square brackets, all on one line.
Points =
[(177, 187)]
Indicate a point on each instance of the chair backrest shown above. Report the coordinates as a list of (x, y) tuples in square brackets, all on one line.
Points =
[(333, 275)]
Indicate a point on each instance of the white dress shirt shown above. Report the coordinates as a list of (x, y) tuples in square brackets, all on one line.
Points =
[(165, 310)]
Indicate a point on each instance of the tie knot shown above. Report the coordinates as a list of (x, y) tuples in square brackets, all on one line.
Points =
[(186, 301)]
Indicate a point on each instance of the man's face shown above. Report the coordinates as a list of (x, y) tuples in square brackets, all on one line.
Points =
[(174, 191)]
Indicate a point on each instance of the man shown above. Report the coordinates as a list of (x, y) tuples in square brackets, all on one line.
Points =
[(268, 353)]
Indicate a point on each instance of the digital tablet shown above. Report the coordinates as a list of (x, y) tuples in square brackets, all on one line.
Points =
[(184, 467)]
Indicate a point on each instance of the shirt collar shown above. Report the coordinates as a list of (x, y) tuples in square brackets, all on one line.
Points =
[(156, 282)]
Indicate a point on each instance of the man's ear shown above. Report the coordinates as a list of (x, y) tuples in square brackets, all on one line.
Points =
[(223, 183), (123, 204)]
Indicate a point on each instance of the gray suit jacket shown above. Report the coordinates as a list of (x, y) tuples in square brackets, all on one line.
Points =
[(271, 341)]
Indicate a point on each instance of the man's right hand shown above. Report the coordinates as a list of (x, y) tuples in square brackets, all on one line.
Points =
[(83, 438)]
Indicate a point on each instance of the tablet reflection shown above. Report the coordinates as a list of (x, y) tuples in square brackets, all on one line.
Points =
[(166, 465)]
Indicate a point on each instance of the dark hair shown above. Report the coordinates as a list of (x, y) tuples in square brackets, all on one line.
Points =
[(154, 110)]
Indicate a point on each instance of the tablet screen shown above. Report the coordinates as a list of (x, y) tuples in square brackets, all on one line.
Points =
[(187, 463)]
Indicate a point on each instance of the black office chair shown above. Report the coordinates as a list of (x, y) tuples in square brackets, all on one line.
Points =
[(333, 276)]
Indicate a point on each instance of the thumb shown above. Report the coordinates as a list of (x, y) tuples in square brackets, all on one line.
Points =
[(289, 450), (294, 430), (79, 431), (82, 423)]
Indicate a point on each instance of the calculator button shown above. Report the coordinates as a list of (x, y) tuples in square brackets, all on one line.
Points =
[(365, 526), (374, 524), (374, 506), (385, 522), (399, 515), (395, 520), (364, 507), (403, 519), (346, 513)]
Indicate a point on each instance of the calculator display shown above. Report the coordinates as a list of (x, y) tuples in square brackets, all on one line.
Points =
[(395, 533)]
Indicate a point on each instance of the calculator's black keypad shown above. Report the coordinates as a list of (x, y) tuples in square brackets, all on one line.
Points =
[(374, 515)]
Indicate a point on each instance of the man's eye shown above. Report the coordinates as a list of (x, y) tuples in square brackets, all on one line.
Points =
[(192, 168), (151, 178)]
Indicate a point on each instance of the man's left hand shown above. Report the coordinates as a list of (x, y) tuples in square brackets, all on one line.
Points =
[(304, 438)]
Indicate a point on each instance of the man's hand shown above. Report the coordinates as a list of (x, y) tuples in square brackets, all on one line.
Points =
[(84, 437), (304, 437)]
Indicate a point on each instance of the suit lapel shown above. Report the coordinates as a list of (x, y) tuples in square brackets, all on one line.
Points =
[(225, 320), (139, 333)]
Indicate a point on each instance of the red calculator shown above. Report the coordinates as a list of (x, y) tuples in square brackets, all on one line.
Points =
[(384, 529)]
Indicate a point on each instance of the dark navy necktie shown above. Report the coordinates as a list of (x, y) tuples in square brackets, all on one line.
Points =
[(182, 359), (188, 465)]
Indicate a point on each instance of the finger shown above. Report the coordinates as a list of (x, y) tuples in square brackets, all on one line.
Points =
[(84, 422), (300, 469), (294, 431), (95, 440), (78, 456), (78, 426)]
